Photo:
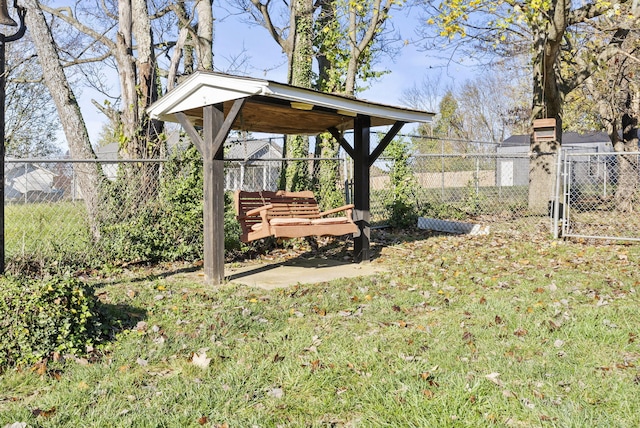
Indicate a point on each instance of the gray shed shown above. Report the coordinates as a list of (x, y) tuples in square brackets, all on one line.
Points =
[(512, 167)]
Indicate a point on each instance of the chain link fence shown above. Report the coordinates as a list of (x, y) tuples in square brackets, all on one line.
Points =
[(48, 201), (600, 196), (154, 208)]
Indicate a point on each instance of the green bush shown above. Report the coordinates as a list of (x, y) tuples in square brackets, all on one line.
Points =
[(442, 211), (401, 201), (169, 226), (40, 317), (165, 226)]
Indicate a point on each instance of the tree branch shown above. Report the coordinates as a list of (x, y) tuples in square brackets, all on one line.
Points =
[(69, 19), (612, 48), (263, 8), (589, 11), (79, 61)]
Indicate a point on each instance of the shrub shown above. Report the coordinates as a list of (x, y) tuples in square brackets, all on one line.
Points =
[(401, 202), (442, 211), (40, 317), (169, 226)]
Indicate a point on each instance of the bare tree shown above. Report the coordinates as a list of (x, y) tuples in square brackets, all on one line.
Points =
[(89, 174), (31, 121)]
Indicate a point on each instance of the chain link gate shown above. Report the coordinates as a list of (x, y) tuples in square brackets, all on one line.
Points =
[(599, 194)]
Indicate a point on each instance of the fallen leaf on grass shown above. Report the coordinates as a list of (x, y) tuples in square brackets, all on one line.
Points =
[(141, 326), (520, 332), (493, 377), (203, 420), (428, 393), (320, 311), (528, 404), (40, 368), (43, 413), (201, 360), (554, 325), (508, 394), (276, 393)]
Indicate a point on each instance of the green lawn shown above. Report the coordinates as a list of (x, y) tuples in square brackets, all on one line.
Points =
[(498, 330), (44, 228)]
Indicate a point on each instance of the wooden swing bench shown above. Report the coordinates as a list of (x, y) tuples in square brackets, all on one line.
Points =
[(284, 214)]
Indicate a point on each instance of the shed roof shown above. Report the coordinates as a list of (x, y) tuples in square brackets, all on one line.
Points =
[(567, 138), (270, 105)]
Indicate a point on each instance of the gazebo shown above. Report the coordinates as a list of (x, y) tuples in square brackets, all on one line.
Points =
[(219, 103)]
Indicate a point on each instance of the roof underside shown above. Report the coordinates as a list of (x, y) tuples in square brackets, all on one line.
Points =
[(275, 108)]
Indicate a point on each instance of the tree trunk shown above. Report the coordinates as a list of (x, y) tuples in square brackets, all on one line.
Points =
[(147, 141), (626, 193), (300, 74), (205, 34), (547, 103), (89, 175), (128, 78)]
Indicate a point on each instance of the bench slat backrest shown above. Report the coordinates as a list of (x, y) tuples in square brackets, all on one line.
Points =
[(285, 204)]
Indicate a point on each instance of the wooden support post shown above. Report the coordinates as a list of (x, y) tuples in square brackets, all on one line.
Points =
[(213, 164), (361, 187), (216, 129)]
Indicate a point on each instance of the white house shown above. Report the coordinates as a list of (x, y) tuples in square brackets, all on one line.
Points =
[(252, 165), (29, 182)]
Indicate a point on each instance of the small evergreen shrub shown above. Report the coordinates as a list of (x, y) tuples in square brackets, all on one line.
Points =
[(41, 317), (401, 203)]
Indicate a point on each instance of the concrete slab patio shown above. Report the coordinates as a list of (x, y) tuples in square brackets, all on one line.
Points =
[(299, 271)]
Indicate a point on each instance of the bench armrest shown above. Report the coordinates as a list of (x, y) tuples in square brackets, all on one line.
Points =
[(347, 208), (258, 210)]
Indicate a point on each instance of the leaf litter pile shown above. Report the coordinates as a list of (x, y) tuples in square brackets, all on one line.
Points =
[(491, 330)]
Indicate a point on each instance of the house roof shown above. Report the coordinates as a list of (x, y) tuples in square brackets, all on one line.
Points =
[(275, 107), (109, 151), (253, 149)]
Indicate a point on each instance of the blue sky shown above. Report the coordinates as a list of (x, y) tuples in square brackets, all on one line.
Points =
[(408, 67)]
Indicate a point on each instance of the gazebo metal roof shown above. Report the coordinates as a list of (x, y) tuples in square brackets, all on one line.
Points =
[(270, 105)]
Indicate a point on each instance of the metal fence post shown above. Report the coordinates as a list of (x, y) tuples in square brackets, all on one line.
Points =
[(556, 198), (442, 159), (477, 176), (3, 79)]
